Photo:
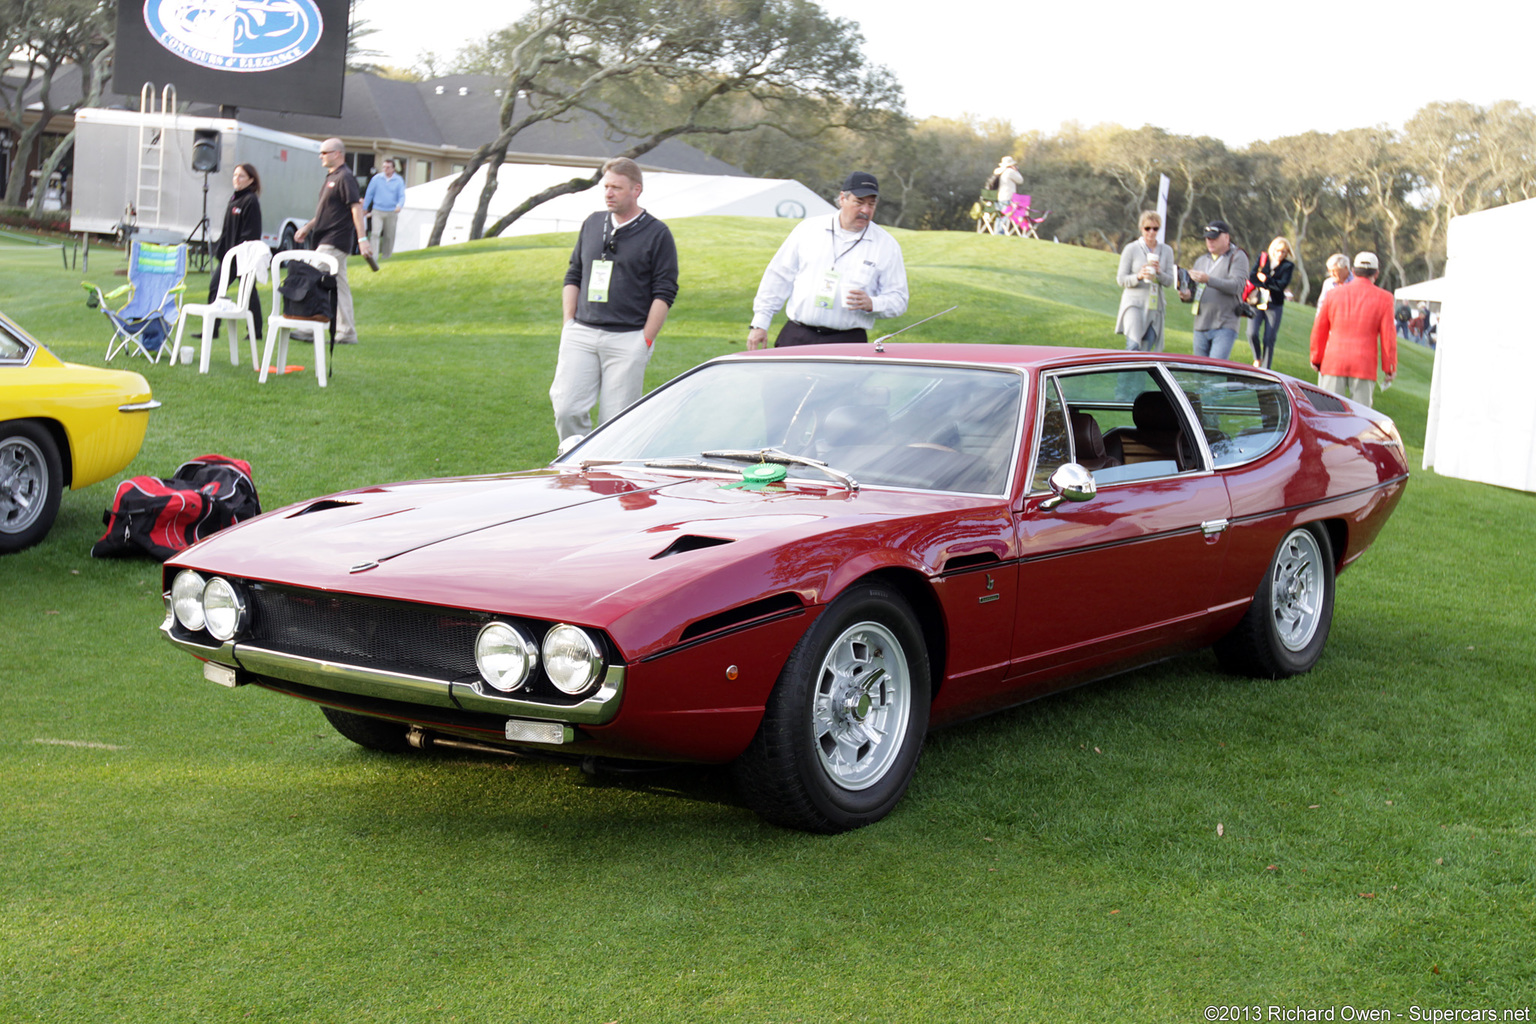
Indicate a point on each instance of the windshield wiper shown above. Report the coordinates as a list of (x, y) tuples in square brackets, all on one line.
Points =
[(784, 459), (689, 462)]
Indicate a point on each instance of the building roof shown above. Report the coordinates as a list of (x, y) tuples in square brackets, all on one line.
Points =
[(452, 116)]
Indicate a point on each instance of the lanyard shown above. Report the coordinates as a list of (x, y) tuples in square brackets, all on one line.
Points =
[(835, 254)]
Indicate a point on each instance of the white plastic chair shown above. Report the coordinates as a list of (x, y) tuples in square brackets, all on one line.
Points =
[(279, 326), (223, 308)]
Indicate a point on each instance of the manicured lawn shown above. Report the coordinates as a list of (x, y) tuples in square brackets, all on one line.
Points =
[(1135, 850)]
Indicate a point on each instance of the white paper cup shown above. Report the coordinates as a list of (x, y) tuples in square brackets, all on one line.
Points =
[(187, 355)]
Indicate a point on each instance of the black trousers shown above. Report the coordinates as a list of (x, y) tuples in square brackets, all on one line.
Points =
[(796, 333)]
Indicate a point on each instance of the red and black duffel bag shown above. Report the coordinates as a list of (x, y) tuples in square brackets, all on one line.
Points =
[(159, 517)]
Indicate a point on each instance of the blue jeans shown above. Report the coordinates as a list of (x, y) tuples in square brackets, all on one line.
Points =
[(1263, 329), (1217, 344)]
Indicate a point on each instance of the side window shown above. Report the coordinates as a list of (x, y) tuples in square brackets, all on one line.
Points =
[(1125, 426), (1055, 447), (1243, 417), (10, 347)]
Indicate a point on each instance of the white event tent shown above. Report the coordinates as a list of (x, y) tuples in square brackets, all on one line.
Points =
[(1432, 290), (1482, 416), (668, 195)]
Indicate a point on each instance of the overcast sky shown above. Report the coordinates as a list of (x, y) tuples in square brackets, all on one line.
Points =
[(1270, 71)]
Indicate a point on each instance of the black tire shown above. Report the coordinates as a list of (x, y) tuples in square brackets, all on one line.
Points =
[(288, 240), (374, 733), (846, 720), (31, 480), (1286, 627)]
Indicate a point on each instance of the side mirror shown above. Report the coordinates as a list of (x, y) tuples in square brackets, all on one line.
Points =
[(568, 443), (1070, 482)]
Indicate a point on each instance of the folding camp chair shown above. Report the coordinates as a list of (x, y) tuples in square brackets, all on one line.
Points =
[(145, 320), (987, 214), (1021, 219)]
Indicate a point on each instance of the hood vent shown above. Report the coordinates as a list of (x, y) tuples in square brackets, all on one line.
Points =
[(322, 505), (690, 542)]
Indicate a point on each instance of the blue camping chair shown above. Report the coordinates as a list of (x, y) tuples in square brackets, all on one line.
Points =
[(145, 320)]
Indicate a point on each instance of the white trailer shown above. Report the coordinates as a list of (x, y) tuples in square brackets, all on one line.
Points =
[(134, 170)]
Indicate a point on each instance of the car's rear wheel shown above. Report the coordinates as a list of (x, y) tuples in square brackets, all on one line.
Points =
[(846, 720), (373, 733), (31, 480), (1286, 627)]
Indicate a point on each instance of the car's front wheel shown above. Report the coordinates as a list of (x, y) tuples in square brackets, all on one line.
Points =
[(31, 480), (846, 720), (373, 733), (1287, 625)]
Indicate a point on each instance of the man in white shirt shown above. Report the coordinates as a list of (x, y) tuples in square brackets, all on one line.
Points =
[(833, 276)]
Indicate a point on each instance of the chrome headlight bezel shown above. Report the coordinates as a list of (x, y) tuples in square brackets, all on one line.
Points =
[(573, 659), (187, 600), (505, 655), (225, 612)]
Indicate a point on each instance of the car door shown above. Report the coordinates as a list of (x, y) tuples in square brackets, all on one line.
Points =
[(1130, 573)]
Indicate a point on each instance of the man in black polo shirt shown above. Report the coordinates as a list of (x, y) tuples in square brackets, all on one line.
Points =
[(619, 287), (336, 227)]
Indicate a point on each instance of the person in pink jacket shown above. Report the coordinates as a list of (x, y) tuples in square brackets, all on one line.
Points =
[(1353, 326)]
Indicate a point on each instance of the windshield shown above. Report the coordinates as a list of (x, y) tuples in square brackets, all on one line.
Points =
[(940, 428)]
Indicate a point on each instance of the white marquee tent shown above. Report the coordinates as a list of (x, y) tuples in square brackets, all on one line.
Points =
[(1425, 291), (668, 195), (1482, 413)]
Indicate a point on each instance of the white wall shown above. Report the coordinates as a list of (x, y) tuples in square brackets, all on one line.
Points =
[(668, 195), (1482, 406)]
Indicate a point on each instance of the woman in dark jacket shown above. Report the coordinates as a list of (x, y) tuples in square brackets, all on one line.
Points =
[(242, 223), (1270, 277)]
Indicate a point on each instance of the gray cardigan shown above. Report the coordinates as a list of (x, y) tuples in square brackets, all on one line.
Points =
[(1132, 258), (1218, 304)]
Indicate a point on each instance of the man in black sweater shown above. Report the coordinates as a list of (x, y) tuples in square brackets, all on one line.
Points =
[(619, 287)]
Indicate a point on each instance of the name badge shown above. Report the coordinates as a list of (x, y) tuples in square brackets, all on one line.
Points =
[(826, 293), (602, 273)]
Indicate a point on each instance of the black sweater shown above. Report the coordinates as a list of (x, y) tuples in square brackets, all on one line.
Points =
[(644, 269)]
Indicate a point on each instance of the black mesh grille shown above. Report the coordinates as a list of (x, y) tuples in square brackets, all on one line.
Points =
[(438, 643)]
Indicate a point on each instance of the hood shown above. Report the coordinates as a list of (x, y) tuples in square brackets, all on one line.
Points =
[(588, 548)]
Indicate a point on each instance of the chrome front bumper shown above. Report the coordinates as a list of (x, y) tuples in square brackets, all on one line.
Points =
[(598, 708)]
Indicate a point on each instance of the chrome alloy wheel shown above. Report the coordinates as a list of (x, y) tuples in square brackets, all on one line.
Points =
[(1296, 590), (861, 706), (23, 483)]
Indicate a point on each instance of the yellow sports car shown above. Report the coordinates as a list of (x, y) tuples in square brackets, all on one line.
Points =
[(60, 424)]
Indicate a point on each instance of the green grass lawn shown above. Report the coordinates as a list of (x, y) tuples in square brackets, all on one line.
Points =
[(1136, 850)]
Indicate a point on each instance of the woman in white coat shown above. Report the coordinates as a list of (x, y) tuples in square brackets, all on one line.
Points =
[(1146, 269)]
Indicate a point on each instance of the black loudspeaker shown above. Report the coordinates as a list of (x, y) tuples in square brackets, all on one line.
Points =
[(205, 149)]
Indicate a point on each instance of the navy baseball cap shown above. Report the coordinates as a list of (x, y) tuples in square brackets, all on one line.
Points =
[(861, 184), (1217, 228)]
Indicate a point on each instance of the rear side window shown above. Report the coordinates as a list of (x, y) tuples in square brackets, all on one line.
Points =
[(11, 347), (1243, 417)]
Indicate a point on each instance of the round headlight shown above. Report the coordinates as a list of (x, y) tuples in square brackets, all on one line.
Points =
[(187, 600), (505, 656), (223, 608), (571, 659)]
